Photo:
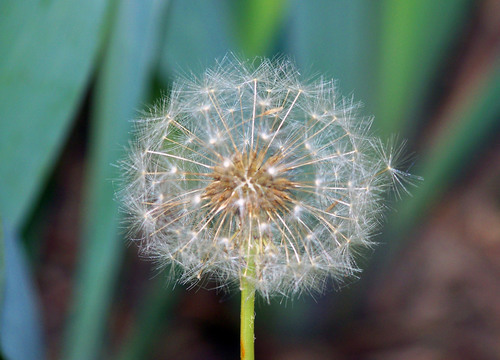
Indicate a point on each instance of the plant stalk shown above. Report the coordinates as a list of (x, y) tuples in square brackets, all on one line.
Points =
[(247, 314)]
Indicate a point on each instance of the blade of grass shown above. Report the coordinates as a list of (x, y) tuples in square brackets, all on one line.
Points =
[(476, 120), (416, 34), (258, 24), (197, 32), (20, 330), (122, 85), (336, 38), (48, 50)]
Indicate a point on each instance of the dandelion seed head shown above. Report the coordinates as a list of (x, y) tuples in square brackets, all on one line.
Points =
[(250, 165)]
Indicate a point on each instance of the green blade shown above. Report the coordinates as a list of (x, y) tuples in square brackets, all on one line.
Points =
[(475, 120), (258, 24), (196, 33), (48, 50), (123, 84), (335, 38), (416, 35)]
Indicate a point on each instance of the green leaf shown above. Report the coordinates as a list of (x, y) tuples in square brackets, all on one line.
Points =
[(197, 33), (122, 86), (20, 329), (416, 35), (474, 121), (48, 49), (259, 24), (335, 38)]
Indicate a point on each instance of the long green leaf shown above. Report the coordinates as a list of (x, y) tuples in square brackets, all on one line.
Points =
[(122, 86), (474, 121), (335, 38), (197, 32), (48, 49), (416, 34), (20, 327), (259, 24)]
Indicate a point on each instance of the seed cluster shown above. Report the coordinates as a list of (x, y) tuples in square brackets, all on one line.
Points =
[(248, 165), (249, 185)]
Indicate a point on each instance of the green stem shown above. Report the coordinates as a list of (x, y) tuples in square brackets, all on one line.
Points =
[(247, 314)]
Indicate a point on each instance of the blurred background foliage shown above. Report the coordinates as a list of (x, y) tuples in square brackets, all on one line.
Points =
[(73, 74)]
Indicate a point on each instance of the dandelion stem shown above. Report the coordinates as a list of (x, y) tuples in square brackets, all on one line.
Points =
[(247, 313)]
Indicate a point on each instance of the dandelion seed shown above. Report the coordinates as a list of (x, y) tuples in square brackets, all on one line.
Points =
[(266, 163), (279, 180)]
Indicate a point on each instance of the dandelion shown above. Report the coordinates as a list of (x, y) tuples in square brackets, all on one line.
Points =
[(248, 175)]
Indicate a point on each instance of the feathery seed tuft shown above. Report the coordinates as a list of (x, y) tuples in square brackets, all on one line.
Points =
[(248, 165)]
